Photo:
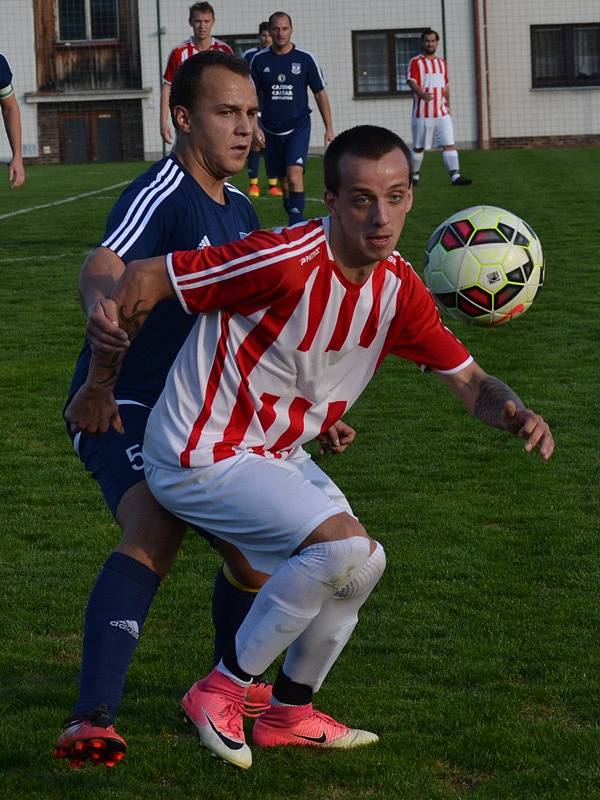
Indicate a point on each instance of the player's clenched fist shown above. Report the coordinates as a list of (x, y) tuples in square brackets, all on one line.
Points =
[(93, 410)]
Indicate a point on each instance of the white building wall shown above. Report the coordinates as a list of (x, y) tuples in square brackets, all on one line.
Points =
[(17, 44), (517, 110)]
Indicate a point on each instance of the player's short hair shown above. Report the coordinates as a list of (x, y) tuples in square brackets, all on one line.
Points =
[(280, 14), (187, 83), (430, 32), (203, 8), (363, 141), (264, 26)]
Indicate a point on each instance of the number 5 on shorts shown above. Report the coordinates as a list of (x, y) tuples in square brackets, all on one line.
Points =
[(135, 456)]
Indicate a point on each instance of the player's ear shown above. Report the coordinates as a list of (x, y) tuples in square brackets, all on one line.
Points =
[(182, 118), (330, 200)]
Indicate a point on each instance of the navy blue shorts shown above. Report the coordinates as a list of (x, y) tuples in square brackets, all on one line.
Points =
[(113, 459), (289, 150)]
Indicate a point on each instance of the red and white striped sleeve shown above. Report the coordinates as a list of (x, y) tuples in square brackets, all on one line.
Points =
[(418, 333), (413, 70), (242, 276), (172, 64)]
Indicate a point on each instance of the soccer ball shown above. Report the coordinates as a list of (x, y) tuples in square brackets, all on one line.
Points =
[(484, 265)]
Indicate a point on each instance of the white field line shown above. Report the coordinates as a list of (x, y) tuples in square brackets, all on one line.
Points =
[(64, 200), (56, 257)]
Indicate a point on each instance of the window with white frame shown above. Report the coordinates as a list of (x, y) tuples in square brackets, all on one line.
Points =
[(87, 20), (565, 55), (380, 59)]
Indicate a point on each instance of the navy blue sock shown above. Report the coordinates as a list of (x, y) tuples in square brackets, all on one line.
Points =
[(229, 608), (253, 164), (114, 618), (295, 207)]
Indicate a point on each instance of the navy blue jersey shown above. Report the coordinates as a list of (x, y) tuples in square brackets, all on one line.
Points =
[(164, 210), (282, 83), (5, 78), (249, 54)]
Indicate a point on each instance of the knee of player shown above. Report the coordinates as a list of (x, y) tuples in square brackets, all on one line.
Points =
[(365, 580), (152, 542), (334, 562)]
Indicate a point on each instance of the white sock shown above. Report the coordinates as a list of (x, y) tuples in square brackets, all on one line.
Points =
[(416, 159), (450, 159), (223, 669), (292, 598), (314, 652)]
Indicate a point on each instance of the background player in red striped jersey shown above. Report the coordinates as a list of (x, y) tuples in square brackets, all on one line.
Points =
[(293, 324), (202, 20), (431, 120)]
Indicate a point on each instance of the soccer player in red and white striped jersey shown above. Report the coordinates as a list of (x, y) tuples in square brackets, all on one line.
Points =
[(292, 324), (202, 20), (431, 121)]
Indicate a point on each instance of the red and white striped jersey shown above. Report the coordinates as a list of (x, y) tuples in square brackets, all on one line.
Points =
[(187, 49), (431, 74), (284, 344)]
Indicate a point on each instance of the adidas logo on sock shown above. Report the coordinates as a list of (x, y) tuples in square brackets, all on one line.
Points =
[(299, 161), (130, 626)]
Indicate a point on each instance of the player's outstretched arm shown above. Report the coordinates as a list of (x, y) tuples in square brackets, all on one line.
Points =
[(493, 402), (143, 284)]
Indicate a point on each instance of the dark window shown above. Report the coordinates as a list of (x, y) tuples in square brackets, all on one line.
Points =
[(565, 55), (87, 20), (240, 42), (381, 59), (103, 19)]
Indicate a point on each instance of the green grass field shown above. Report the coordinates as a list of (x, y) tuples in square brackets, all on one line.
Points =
[(476, 660)]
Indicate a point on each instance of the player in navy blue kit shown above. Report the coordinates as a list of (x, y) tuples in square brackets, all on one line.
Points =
[(264, 40), (12, 122), (182, 201), (282, 74)]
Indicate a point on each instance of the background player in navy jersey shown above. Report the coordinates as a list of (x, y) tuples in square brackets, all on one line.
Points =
[(283, 75), (264, 40), (293, 324), (183, 200), (12, 123)]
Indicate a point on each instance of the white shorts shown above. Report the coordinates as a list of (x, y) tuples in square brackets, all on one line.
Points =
[(431, 132), (265, 507)]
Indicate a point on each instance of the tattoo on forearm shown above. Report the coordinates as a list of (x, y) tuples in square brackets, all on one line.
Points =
[(133, 321), (111, 365), (493, 394)]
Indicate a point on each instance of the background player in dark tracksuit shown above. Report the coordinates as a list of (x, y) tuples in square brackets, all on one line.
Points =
[(264, 40), (282, 75)]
